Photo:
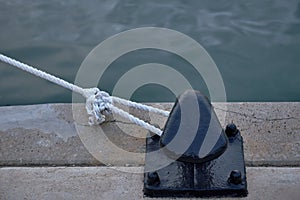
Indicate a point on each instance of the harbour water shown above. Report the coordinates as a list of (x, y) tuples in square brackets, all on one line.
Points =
[(255, 44)]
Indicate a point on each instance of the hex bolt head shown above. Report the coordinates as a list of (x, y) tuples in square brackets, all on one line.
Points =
[(235, 177), (231, 130), (153, 178)]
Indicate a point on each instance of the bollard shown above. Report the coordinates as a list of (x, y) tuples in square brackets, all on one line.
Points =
[(204, 160)]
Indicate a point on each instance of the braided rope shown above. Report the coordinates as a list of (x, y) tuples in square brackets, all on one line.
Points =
[(97, 102)]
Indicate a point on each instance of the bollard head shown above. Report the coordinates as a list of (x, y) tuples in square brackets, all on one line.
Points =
[(193, 132)]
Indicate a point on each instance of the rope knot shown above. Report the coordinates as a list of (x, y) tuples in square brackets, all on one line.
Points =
[(102, 101), (97, 104)]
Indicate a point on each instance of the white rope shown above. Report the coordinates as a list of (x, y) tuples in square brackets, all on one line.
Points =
[(140, 106), (136, 120), (41, 74), (97, 102)]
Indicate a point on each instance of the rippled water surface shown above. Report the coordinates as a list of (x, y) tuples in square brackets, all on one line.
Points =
[(255, 44)]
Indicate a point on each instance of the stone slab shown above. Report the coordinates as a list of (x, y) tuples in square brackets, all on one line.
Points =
[(271, 131), (58, 134), (112, 183)]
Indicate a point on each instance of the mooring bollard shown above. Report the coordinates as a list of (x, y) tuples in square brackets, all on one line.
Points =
[(204, 160)]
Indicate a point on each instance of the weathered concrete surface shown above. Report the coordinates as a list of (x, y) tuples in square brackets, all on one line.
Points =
[(41, 135), (110, 183), (48, 135), (52, 134)]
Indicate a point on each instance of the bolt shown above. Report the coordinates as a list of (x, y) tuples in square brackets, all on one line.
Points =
[(231, 130), (235, 177), (153, 178)]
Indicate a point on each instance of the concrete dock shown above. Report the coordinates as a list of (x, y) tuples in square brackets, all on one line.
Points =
[(49, 151)]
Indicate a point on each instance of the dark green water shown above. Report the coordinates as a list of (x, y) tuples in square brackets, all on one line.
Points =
[(255, 44)]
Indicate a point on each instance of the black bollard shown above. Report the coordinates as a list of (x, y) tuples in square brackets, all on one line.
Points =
[(195, 157), (193, 132)]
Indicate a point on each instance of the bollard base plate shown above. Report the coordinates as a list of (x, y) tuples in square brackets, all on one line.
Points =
[(183, 179)]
